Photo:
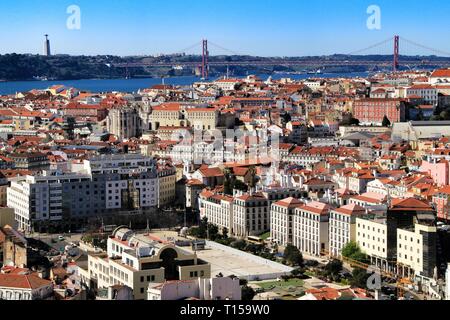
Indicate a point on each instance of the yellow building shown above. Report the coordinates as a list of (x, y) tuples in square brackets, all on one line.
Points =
[(167, 179), (202, 118), (167, 115), (137, 260), (177, 115)]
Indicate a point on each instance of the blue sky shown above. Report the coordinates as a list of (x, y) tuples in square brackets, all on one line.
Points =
[(257, 27)]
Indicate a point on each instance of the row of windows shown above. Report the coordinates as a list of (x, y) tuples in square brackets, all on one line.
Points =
[(195, 274), (373, 228)]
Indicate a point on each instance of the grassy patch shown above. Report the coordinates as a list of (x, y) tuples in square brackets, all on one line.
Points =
[(281, 284), (310, 273), (264, 236)]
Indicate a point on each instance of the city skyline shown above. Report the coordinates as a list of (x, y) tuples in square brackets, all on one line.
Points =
[(263, 28)]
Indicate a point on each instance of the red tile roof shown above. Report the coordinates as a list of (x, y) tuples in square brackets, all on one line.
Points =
[(441, 73), (410, 204), (22, 281), (289, 203)]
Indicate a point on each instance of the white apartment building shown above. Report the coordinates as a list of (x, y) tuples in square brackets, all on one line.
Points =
[(379, 186), (373, 237), (219, 210), (368, 199), (343, 227), (40, 197), (100, 185), (227, 84), (416, 250), (310, 228), (281, 220), (427, 92), (141, 182), (250, 215)]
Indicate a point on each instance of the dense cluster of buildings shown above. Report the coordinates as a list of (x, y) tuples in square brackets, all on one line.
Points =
[(317, 163)]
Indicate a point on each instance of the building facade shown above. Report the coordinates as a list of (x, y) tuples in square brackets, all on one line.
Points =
[(372, 111), (310, 228), (343, 227), (98, 186), (136, 261), (281, 220)]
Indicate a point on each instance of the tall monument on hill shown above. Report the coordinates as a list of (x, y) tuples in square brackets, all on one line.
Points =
[(47, 46)]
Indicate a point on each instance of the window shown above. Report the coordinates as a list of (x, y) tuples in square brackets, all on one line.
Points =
[(142, 278)]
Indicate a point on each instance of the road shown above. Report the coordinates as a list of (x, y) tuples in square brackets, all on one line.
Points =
[(56, 244)]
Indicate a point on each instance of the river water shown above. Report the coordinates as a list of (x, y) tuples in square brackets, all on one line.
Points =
[(133, 85)]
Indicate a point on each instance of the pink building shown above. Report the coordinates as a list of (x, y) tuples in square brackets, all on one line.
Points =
[(438, 169), (441, 201)]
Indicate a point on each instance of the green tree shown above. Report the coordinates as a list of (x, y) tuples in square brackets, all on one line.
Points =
[(435, 118), (445, 115), (359, 278), (239, 244), (349, 249), (203, 228), (239, 185), (352, 251), (297, 272), (253, 178), (194, 232), (333, 268), (385, 122), (292, 255), (354, 122), (247, 293), (225, 233), (228, 181), (213, 231)]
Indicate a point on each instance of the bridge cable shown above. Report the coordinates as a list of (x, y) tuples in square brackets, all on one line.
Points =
[(437, 51), (370, 47), (195, 45), (227, 50)]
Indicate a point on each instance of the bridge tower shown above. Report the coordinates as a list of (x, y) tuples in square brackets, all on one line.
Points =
[(396, 53), (205, 58)]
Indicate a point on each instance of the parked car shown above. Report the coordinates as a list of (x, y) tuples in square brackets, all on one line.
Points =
[(388, 290), (61, 238)]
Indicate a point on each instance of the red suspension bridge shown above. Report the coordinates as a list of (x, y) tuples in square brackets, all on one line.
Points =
[(393, 62)]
